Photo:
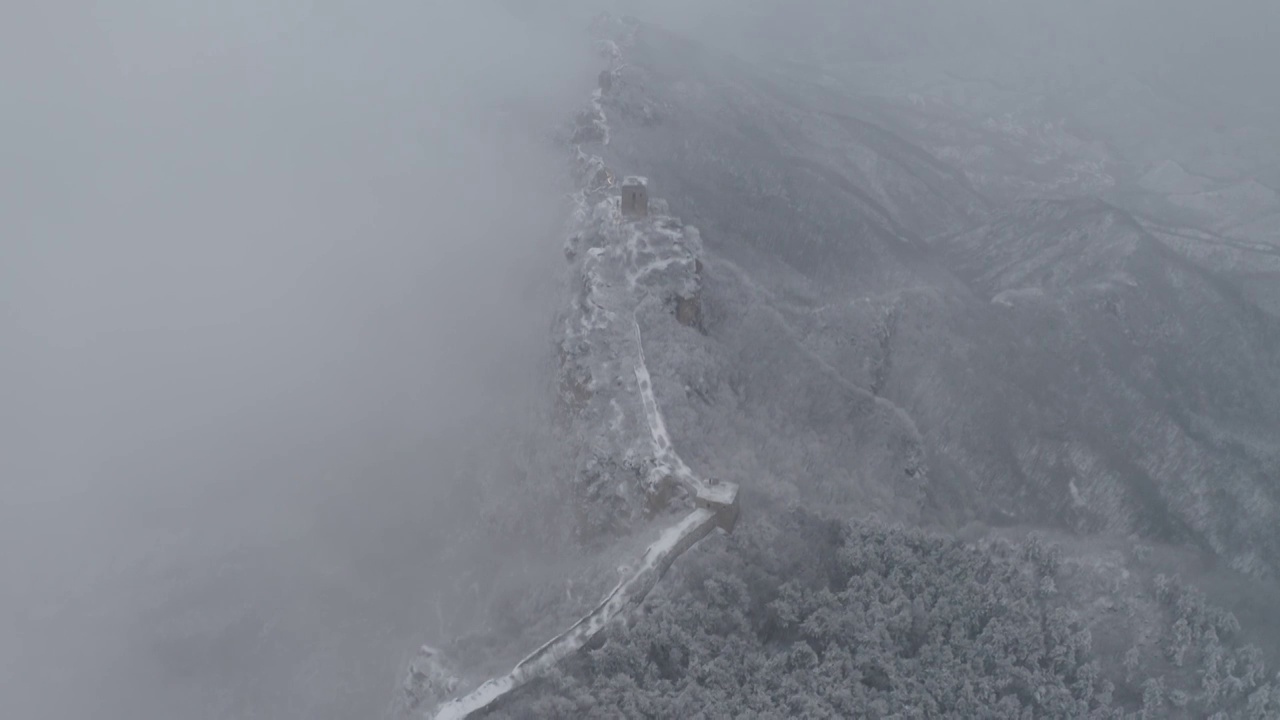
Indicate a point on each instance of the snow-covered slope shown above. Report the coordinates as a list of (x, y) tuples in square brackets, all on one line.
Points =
[(904, 309), (1141, 384), (815, 275), (1169, 177)]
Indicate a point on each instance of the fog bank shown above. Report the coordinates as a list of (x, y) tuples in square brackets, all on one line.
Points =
[(268, 270)]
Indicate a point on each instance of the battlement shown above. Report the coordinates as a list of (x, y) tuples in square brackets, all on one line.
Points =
[(635, 196)]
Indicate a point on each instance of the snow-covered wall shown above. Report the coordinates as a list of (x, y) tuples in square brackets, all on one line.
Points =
[(628, 468)]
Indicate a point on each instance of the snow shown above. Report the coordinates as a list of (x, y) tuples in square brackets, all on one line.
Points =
[(483, 696), (721, 494), (1170, 177), (1076, 498), (630, 591), (605, 297), (625, 264), (601, 119), (1008, 297)]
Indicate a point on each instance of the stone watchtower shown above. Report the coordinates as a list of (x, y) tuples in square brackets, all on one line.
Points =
[(635, 196)]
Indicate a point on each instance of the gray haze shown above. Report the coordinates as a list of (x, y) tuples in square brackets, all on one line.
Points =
[(273, 275), (265, 268)]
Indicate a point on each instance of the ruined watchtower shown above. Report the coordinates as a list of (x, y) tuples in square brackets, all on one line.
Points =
[(635, 196)]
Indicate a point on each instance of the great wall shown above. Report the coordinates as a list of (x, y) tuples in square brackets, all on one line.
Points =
[(631, 260)]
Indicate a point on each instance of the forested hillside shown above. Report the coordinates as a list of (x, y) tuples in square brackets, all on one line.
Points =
[(813, 618)]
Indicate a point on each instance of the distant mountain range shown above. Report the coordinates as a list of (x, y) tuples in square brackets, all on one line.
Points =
[(912, 310)]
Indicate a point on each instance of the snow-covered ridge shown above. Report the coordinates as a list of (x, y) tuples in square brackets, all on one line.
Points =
[(624, 268), (626, 271)]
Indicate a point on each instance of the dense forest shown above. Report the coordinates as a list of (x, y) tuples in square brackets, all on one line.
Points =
[(806, 617)]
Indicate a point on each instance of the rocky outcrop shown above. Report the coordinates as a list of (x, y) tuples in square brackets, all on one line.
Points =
[(428, 681)]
